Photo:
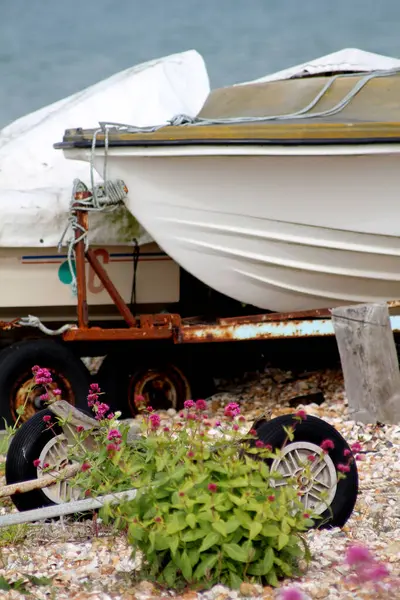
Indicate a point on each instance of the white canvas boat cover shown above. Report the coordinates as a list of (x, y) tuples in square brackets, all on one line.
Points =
[(347, 60), (36, 180)]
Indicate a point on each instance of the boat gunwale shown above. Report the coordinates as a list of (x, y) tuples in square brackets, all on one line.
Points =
[(249, 134)]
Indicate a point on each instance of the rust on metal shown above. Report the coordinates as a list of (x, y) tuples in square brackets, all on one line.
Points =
[(96, 334), (147, 327), (306, 314), (8, 325), (83, 315), (256, 331), (111, 289)]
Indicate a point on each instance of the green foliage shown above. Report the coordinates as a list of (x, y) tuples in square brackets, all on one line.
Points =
[(13, 534), (20, 585), (205, 509)]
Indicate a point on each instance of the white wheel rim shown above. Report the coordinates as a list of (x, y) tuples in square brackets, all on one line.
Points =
[(319, 477), (55, 454)]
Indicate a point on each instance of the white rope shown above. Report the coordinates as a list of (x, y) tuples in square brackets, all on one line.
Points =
[(31, 321), (105, 197)]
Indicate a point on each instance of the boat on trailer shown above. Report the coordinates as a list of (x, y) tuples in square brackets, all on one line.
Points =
[(280, 194)]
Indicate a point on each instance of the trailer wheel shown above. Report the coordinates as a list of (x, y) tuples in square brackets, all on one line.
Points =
[(17, 382), (163, 384), (36, 440), (340, 494)]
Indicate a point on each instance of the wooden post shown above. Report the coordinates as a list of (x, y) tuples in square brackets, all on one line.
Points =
[(369, 362)]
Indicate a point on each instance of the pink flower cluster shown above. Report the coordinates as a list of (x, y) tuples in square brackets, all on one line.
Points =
[(42, 376), (199, 405), (365, 567), (139, 402), (155, 421), (232, 410), (36, 463), (115, 438), (327, 445), (99, 408)]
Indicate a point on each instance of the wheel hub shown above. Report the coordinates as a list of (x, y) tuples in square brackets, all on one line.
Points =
[(315, 479), (55, 454), (162, 388)]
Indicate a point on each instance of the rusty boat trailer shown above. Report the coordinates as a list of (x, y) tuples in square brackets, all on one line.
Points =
[(312, 323)]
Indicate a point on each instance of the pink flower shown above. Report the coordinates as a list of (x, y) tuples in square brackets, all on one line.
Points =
[(360, 457), (57, 392), (189, 404), (242, 419), (201, 405), (114, 434), (327, 445), (291, 594), (271, 498), (268, 447), (36, 462), (252, 432), (235, 427), (356, 555), (80, 428), (44, 397), (306, 515), (191, 417), (232, 410), (101, 409), (377, 573), (92, 398), (35, 369), (42, 376), (301, 415), (356, 447), (166, 429), (346, 452), (112, 448), (85, 467), (259, 444), (311, 457), (47, 418), (110, 416), (212, 487), (207, 424), (46, 466), (94, 388), (139, 401), (343, 468), (149, 409), (190, 454), (217, 423), (155, 421)]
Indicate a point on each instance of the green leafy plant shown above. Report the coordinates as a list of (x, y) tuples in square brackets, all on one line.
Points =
[(206, 510)]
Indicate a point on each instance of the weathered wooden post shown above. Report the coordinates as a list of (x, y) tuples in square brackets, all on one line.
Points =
[(369, 362)]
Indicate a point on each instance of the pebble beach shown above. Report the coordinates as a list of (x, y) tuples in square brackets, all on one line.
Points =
[(78, 560)]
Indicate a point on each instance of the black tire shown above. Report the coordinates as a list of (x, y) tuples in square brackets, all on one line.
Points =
[(26, 446), (16, 364), (118, 380), (315, 431)]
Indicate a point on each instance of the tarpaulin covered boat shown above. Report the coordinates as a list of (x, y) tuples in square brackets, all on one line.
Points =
[(35, 190)]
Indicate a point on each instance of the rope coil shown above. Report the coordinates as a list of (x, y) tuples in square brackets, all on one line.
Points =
[(104, 197)]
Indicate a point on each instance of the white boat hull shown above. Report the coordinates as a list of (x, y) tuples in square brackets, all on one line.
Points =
[(280, 228)]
